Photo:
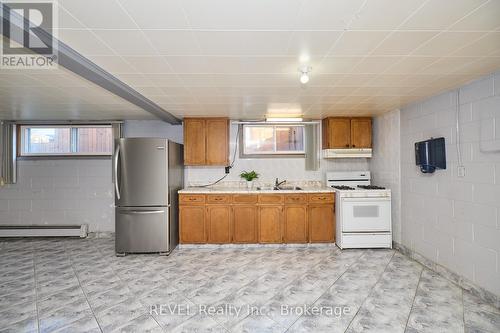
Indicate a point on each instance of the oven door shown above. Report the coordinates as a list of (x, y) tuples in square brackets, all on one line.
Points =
[(366, 214)]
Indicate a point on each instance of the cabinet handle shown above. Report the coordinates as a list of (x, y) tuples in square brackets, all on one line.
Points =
[(353, 146), (347, 146)]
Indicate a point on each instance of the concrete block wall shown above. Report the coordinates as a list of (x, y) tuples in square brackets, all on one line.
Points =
[(452, 220), (64, 192), (385, 163)]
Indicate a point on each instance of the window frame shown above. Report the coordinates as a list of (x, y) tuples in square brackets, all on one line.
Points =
[(21, 154), (283, 154)]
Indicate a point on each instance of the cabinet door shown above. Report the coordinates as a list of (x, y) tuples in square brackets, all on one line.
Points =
[(321, 223), (361, 132), (339, 133), (295, 230), (217, 141), (245, 224), (194, 141), (192, 224), (219, 224), (270, 224)]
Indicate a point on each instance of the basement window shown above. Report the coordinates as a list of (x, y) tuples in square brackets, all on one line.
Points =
[(272, 141), (65, 140)]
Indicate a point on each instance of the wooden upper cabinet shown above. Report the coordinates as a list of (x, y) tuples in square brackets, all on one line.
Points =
[(219, 224), (194, 141), (245, 224), (361, 132), (321, 223), (270, 224), (295, 230), (217, 130), (336, 133), (206, 141), (340, 132)]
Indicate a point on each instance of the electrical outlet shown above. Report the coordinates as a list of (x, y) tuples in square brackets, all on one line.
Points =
[(227, 169), (461, 171)]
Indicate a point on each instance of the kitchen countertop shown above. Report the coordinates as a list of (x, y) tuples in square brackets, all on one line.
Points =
[(239, 190)]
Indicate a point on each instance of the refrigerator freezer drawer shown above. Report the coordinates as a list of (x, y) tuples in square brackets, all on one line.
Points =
[(142, 229)]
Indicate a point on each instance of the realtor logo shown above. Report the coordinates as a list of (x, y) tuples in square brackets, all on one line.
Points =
[(28, 29)]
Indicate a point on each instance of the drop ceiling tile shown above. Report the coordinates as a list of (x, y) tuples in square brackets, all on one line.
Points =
[(154, 14), (384, 14), (439, 14), (304, 44), (242, 15), (374, 65), (173, 42), (480, 67), (446, 43), (356, 80), (358, 43), (333, 65), (135, 80), (243, 42), (113, 64), (484, 18), (409, 65), (66, 20), (486, 45), (149, 65), (98, 14), (189, 64), (126, 42), (327, 14), (403, 42), (84, 42), (164, 80), (447, 65)]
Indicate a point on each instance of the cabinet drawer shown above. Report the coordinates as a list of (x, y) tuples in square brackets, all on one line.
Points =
[(244, 199), (270, 199), (218, 198), (321, 198), (191, 198), (296, 198)]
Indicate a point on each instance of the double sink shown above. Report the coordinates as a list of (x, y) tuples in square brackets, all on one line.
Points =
[(279, 188)]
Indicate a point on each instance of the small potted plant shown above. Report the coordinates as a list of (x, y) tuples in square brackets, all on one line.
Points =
[(249, 177)]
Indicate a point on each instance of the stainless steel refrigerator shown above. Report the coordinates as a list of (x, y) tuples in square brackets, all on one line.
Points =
[(148, 172)]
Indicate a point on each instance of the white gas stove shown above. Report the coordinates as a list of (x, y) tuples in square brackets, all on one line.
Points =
[(362, 210)]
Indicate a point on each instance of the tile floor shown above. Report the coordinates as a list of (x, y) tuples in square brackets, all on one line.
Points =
[(80, 286)]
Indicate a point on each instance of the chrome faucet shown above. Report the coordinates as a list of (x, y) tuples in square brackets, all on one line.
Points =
[(277, 183)]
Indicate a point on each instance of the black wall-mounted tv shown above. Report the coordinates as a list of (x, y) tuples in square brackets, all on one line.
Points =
[(430, 155)]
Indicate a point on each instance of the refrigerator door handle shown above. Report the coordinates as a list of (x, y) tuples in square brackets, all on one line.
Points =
[(117, 186), (142, 211)]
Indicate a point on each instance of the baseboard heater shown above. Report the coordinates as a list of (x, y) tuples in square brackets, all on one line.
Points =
[(44, 230)]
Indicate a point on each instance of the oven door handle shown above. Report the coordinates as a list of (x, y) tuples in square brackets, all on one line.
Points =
[(369, 199)]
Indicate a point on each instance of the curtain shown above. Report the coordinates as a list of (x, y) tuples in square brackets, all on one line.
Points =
[(8, 153), (312, 147)]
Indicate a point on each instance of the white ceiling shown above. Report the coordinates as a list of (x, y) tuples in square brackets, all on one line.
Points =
[(240, 58)]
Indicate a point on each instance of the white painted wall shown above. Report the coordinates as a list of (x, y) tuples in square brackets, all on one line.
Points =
[(60, 192), (385, 164), (270, 168), (450, 220)]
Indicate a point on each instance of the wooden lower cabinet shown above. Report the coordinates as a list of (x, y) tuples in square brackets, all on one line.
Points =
[(219, 224), (270, 219), (265, 218), (321, 223), (245, 224), (192, 224), (295, 228)]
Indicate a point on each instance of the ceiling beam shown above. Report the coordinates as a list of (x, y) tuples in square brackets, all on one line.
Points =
[(83, 67)]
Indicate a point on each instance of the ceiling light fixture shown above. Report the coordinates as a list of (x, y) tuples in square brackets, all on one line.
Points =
[(283, 119), (304, 74)]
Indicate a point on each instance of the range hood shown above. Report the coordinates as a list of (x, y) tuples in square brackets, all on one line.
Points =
[(347, 153)]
